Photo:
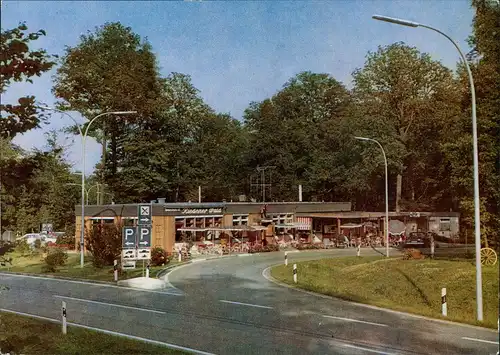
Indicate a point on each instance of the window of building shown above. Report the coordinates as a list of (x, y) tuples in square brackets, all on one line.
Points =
[(444, 225), (240, 220), (282, 218)]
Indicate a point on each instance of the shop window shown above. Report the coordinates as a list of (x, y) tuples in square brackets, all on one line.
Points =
[(444, 225), (240, 220)]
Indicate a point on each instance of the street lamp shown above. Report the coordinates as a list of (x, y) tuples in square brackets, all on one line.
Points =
[(83, 136), (477, 221), (386, 194)]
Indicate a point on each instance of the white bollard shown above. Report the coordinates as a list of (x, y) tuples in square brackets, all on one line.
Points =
[(295, 273), (444, 307), (180, 256), (358, 252), (286, 258), (64, 326), (115, 269), (147, 270)]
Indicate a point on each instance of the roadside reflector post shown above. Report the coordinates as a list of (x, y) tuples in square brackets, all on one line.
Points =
[(64, 326), (115, 269), (180, 255), (444, 308), (358, 251), (295, 273), (286, 258), (147, 270)]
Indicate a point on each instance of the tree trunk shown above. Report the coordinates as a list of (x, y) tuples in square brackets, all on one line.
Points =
[(399, 182)]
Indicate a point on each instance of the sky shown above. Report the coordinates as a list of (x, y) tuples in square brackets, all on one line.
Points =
[(236, 51)]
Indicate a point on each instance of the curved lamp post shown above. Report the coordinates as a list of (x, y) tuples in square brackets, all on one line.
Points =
[(477, 221), (386, 193), (83, 136)]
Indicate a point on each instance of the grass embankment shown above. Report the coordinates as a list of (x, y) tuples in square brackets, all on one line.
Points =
[(406, 285), (32, 336), (34, 264)]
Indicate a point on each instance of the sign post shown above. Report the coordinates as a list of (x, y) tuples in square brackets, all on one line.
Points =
[(115, 269), (64, 325), (136, 242)]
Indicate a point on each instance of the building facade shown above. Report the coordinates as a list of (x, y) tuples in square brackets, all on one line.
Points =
[(258, 221)]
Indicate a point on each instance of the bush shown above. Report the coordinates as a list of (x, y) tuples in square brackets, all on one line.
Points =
[(412, 254), (68, 241), (159, 257), (22, 247), (263, 249), (104, 241), (37, 244), (56, 257), (311, 246)]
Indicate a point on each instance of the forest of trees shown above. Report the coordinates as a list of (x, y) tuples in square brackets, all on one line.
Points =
[(418, 109)]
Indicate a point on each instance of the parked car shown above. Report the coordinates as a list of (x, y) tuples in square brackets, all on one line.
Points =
[(29, 238), (418, 240)]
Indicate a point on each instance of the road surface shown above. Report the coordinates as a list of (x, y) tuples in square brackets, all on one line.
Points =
[(227, 306)]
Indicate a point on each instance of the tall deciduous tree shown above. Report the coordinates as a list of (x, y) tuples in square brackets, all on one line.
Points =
[(111, 69), (414, 97), (485, 65), (35, 189), (295, 131), (20, 63)]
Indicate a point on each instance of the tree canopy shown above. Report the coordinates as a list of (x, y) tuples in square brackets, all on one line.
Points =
[(418, 110), (20, 63)]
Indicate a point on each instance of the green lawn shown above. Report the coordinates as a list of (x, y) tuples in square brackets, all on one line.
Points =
[(25, 335), (34, 264), (407, 285)]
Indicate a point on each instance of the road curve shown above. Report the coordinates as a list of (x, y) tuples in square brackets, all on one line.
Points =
[(226, 306), (296, 322)]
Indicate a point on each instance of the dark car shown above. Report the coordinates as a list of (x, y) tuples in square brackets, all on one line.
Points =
[(418, 240)]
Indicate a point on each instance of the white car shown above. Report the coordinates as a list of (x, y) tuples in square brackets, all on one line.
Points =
[(30, 238)]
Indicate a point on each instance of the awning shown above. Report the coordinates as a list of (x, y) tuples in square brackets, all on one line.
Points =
[(396, 227), (287, 225), (258, 228), (192, 229), (303, 223), (351, 226), (231, 229)]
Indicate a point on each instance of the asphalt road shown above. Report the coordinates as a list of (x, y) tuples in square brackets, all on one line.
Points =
[(226, 306)]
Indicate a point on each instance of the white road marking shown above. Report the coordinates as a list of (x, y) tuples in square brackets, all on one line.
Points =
[(133, 337), (109, 304), (266, 273), (366, 349), (481, 340), (356, 320), (92, 284), (246, 304)]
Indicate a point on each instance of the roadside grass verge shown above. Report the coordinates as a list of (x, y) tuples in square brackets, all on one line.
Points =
[(412, 286), (34, 264), (25, 335)]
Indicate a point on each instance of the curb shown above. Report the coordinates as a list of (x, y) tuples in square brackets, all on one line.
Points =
[(266, 273), (58, 277)]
